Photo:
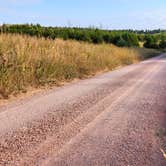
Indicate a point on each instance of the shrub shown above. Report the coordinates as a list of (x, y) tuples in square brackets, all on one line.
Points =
[(131, 39), (81, 34), (122, 43), (162, 43), (151, 42)]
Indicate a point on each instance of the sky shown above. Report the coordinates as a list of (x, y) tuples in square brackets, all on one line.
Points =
[(106, 14)]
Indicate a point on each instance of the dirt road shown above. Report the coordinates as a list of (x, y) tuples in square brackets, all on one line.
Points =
[(115, 119)]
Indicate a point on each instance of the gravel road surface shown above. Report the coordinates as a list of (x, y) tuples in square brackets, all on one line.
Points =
[(114, 119)]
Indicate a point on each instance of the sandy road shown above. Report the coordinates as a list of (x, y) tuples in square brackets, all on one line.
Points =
[(117, 119)]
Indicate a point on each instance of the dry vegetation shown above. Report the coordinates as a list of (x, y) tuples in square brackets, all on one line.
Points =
[(31, 62)]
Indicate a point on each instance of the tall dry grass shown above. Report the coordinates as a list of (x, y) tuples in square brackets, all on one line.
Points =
[(32, 62)]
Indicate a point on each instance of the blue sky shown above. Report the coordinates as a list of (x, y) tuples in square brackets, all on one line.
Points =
[(110, 14)]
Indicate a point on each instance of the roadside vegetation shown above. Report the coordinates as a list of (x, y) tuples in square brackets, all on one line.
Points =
[(33, 62), (122, 38)]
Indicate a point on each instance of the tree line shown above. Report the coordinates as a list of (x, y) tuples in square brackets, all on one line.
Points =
[(121, 38)]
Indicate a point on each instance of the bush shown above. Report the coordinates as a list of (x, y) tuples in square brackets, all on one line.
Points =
[(131, 39), (122, 43), (162, 43), (151, 42), (121, 38), (81, 34)]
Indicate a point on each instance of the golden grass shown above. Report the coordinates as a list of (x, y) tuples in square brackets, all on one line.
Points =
[(32, 62)]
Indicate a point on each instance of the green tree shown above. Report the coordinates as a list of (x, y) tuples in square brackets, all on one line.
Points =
[(122, 43), (151, 42), (162, 43), (131, 39)]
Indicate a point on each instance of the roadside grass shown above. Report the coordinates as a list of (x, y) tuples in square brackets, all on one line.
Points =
[(34, 62), (145, 53)]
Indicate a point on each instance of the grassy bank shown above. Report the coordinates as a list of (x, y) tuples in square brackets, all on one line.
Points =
[(30, 62), (145, 53)]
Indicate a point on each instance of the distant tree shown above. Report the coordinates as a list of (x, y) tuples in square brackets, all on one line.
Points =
[(96, 37), (163, 42), (122, 43), (128, 38), (116, 38), (107, 38), (151, 42), (141, 37), (131, 39)]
